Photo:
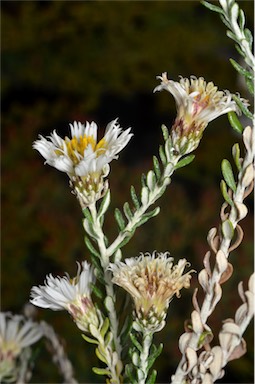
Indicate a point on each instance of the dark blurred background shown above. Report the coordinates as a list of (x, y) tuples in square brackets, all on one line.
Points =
[(98, 60)]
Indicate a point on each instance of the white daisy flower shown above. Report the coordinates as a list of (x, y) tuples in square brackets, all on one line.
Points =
[(198, 103), (73, 295), (84, 158), (82, 154), (16, 334), (152, 281)]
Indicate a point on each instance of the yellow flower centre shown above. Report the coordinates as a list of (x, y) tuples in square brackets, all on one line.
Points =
[(77, 146)]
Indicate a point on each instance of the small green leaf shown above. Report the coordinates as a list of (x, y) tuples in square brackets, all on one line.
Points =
[(228, 174), (234, 122), (232, 36), (87, 214), (241, 70), (97, 291), (145, 196), (152, 377), (151, 180), (241, 19), (104, 204), (236, 155), (135, 359), (108, 338), (156, 167), (202, 338), (134, 197), (101, 356), (88, 226), (127, 211), (136, 342), (224, 192), (184, 161), (128, 372), (162, 155), (227, 229), (105, 327), (143, 180), (101, 371), (248, 36), (91, 247), (212, 7), (89, 339), (148, 216), (128, 235), (155, 352), (109, 303), (243, 108), (165, 132), (250, 85), (120, 219)]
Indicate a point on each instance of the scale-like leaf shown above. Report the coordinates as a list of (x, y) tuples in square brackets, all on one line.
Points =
[(227, 229), (136, 342), (147, 216), (228, 174), (120, 219), (165, 132), (152, 378), (162, 155), (151, 180), (224, 191), (212, 7), (154, 353), (127, 211), (235, 122), (91, 247), (236, 155), (87, 214), (89, 339), (134, 197), (243, 108), (105, 327), (97, 291), (185, 161), (241, 70), (101, 371), (156, 167), (104, 204), (145, 195)]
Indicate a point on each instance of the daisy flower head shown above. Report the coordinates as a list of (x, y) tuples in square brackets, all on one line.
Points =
[(16, 334), (197, 103), (73, 295), (83, 157), (152, 280)]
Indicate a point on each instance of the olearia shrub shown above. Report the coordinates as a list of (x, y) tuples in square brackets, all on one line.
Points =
[(152, 280)]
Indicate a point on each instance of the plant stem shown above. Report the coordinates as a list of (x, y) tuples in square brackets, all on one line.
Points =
[(107, 277), (153, 197), (143, 370)]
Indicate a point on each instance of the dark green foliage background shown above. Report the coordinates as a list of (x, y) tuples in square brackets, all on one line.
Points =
[(85, 60)]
